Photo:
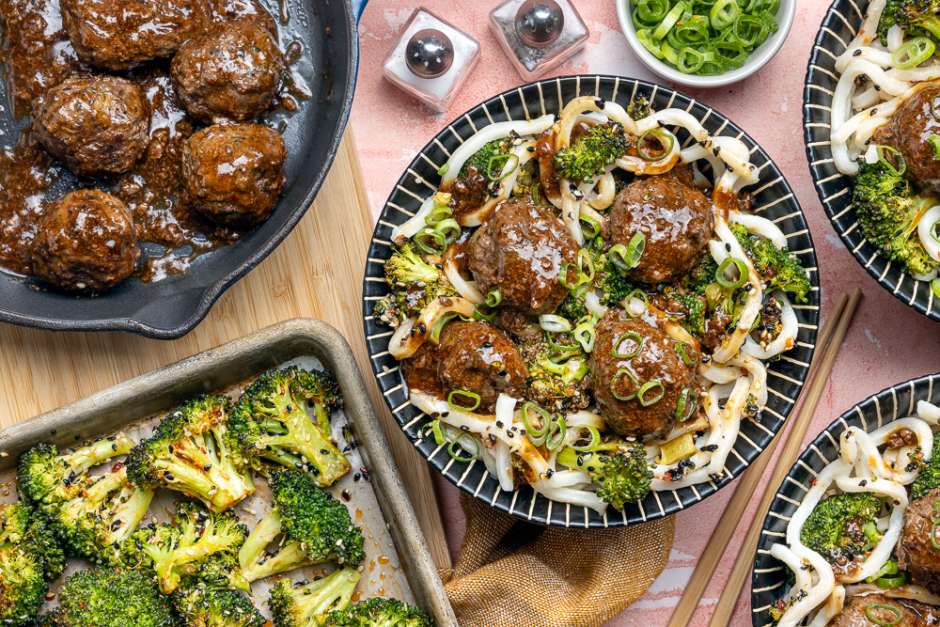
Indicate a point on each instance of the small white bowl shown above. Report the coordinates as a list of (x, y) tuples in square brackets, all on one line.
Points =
[(757, 59)]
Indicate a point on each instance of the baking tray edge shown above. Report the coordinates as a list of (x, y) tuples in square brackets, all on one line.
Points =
[(229, 363)]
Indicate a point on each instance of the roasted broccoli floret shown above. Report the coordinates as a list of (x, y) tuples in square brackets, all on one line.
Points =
[(888, 212), (916, 17), (201, 606), (556, 376), (695, 306), (194, 451), (639, 107), (275, 429), (316, 528), (379, 612), (572, 308), (28, 556), (701, 276), (96, 523), (588, 155), (843, 526), (307, 604), (47, 477), (406, 269), (481, 160), (414, 283), (107, 597), (929, 476), (777, 267), (200, 547), (620, 467), (613, 284), (24, 528)]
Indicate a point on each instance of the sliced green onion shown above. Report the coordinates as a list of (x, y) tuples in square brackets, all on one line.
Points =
[(933, 108), (934, 141), (438, 432), (586, 265), (455, 456), (493, 299), (645, 37), (628, 303), (435, 335), (535, 196), (688, 400), (902, 165), (689, 61), (531, 432), (590, 446), (499, 163), (563, 275), (585, 335), (444, 169), (892, 581), (722, 277), (747, 30), (884, 606), (626, 258), (613, 382), (933, 534), (438, 214), (664, 136), (687, 354), (913, 53), (629, 335), (890, 568), (669, 53), (669, 21), (732, 54), (652, 11), (646, 387), (449, 229), (594, 229), (562, 347), (935, 287), (691, 32), (471, 395), (435, 235), (478, 315), (723, 14), (560, 429), (554, 324)]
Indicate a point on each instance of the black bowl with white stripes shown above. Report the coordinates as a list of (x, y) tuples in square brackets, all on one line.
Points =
[(838, 29), (773, 199), (769, 577)]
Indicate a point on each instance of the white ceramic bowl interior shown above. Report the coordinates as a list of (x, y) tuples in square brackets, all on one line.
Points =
[(758, 58)]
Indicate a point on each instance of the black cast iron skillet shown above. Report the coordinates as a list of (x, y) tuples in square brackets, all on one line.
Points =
[(173, 307)]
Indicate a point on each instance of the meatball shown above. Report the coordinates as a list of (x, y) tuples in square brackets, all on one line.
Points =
[(654, 358), (94, 125), (86, 242), (234, 174), (674, 216), (913, 613), (916, 552), (474, 357), (120, 34), (908, 131), (520, 251), (229, 10), (229, 74)]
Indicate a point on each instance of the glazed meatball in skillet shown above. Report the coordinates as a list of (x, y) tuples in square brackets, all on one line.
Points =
[(86, 242), (121, 34), (676, 219), (234, 174), (628, 353), (520, 252), (474, 357), (229, 74), (94, 126)]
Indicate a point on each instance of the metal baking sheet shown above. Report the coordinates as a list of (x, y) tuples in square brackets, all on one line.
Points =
[(398, 563)]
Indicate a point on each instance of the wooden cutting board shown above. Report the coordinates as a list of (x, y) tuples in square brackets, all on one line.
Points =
[(316, 272)]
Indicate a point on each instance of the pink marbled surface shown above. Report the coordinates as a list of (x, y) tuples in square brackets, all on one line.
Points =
[(888, 343)]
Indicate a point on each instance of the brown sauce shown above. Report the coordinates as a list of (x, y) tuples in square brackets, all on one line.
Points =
[(37, 56)]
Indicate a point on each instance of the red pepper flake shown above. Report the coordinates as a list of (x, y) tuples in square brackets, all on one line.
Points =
[(815, 482)]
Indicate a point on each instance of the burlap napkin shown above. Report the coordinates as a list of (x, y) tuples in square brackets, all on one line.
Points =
[(514, 573)]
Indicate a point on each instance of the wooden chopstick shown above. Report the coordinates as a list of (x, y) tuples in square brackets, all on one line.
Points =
[(742, 495), (791, 449)]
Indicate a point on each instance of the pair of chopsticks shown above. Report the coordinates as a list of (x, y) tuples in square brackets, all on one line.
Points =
[(824, 357)]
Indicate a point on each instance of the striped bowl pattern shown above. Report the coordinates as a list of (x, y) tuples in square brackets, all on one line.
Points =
[(773, 198), (769, 577), (838, 29)]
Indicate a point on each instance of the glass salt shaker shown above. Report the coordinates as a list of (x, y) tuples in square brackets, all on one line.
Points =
[(431, 59), (538, 35)]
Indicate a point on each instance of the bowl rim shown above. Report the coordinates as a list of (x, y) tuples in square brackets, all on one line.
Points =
[(417, 178), (758, 59)]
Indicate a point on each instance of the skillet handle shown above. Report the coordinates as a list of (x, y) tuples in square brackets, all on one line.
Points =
[(358, 6)]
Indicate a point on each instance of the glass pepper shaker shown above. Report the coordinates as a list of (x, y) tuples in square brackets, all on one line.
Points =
[(431, 59), (538, 35)]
